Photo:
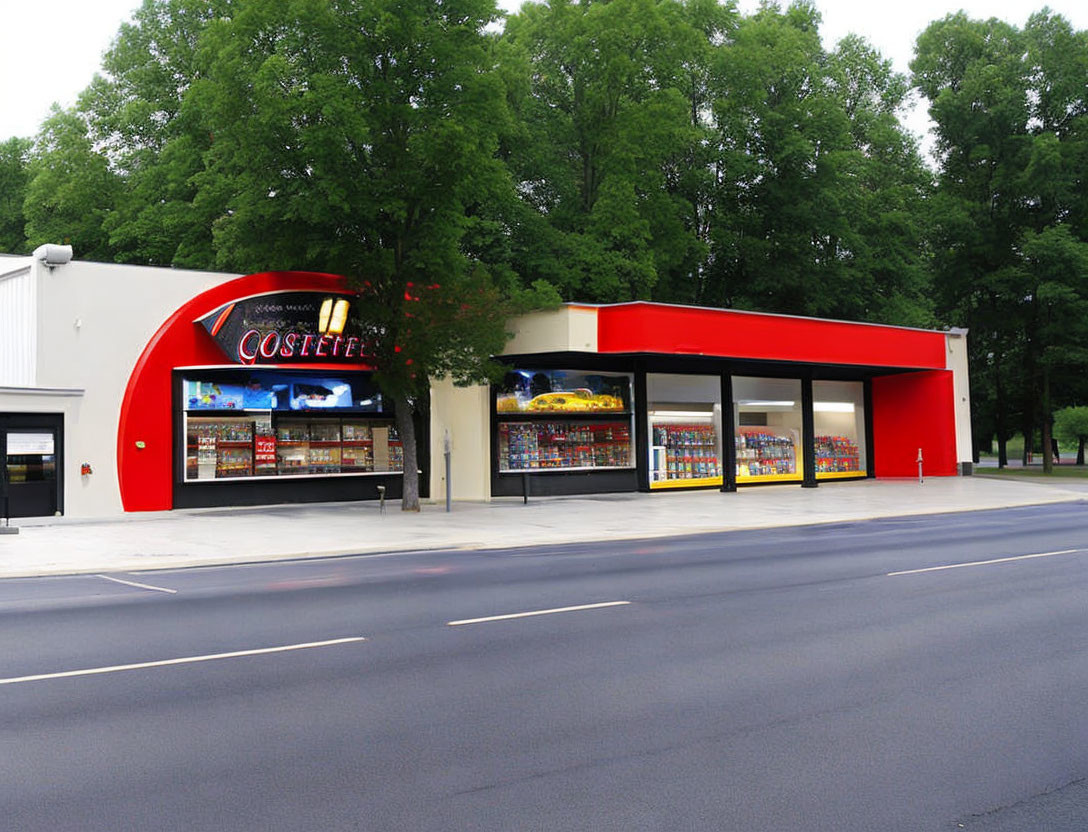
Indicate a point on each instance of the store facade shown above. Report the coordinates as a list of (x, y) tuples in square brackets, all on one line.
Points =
[(129, 389), (648, 397)]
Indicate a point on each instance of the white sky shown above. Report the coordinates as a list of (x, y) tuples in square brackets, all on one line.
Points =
[(50, 49)]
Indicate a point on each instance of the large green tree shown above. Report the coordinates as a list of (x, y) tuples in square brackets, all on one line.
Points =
[(356, 138), (71, 190), (605, 143), (1009, 213), (14, 156), (134, 112), (820, 188)]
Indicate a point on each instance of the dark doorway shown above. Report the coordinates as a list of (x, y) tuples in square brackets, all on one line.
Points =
[(31, 469)]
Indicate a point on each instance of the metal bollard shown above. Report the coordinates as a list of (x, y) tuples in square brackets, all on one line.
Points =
[(525, 489), (7, 528), (919, 466), (449, 485), (381, 499)]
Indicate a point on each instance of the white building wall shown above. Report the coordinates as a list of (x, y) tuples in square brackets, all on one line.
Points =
[(463, 412), (93, 322), (18, 322), (570, 328), (956, 353)]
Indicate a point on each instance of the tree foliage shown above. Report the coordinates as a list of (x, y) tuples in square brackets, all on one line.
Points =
[(1010, 108), (14, 157)]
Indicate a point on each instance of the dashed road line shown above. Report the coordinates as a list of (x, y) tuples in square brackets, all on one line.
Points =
[(984, 562), (536, 612), (94, 671), (137, 584)]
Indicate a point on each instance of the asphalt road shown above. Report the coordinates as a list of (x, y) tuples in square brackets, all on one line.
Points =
[(774, 680)]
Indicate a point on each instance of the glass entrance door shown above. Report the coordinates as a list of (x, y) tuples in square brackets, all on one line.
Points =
[(29, 481)]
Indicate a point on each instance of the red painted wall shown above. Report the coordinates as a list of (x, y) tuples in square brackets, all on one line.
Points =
[(650, 327), (912, 411), (145, 474)]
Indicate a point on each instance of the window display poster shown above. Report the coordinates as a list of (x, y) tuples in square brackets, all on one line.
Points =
[(317, 394), (563, 391), (210, 395), (261, 394), (264, 451)]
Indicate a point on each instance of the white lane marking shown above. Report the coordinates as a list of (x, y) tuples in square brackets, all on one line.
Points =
[(985, 562), (92, 671), (137, 584), (536, 612)]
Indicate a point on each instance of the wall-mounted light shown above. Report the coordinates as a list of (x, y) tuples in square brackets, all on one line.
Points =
[(833, 407)]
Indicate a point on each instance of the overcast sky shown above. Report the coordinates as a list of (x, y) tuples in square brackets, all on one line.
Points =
[(50, 49)]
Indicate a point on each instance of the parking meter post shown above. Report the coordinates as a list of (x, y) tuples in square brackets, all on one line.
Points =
[(449, 484), (381, 499), (524, 489), (7, 528)]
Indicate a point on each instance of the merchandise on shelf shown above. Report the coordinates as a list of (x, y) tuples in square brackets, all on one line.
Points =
[(685, 452), (763, 453), (836, 454), (528, 446), (263, 446)]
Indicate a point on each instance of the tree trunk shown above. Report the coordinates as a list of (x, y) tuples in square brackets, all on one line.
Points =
[(1002, 430), (1080, 449), (407, 430), (1048, 424)]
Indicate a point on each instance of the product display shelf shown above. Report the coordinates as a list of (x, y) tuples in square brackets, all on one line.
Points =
[(684, 455), (576, 445), (767, 455), (837, 457)]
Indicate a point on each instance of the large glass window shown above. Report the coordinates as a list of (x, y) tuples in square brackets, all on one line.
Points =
[(563, 420), (256, 445), (274, 424), (685, 418), (767, 429), (839, 421)]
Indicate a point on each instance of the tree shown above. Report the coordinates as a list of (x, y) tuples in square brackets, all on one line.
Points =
[(356, 138), (1071, 425), (1010, 214), (819, 187), (14, 155), (71, 190), (604, 144), (135, 117)]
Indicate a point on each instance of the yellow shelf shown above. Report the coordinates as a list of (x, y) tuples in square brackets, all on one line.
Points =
[(690, 483), (770, 478), (838, 475)]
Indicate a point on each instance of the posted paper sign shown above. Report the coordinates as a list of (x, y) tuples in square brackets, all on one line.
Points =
[(21, 444)]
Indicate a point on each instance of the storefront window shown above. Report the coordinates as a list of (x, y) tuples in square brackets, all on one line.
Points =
[(563, 420), (767, 429), (272, 424), (685, 416), (31, 457), (839, 421)]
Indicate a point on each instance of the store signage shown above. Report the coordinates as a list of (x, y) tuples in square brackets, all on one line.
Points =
[(30, 444), (264, 451), (287, 328)]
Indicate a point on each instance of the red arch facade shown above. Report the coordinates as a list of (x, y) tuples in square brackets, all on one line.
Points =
[(145, 433)]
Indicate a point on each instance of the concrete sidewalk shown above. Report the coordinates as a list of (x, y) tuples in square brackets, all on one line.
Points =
[(207, 537)]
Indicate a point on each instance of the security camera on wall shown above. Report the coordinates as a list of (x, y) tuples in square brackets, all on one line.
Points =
[(53, 255)]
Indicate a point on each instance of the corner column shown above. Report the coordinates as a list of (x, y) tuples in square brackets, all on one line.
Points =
[(808, 435), (729, 445), (642, 440)]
